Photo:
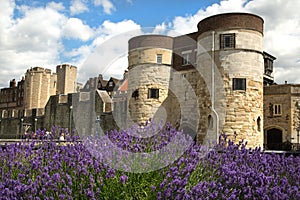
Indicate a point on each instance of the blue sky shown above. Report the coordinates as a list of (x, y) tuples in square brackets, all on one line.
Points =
[(48, 33)]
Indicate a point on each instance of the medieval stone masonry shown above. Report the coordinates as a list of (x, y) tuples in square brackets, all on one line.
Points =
[(215, 80)]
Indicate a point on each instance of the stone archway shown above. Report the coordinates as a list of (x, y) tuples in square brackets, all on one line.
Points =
[(274, 139)]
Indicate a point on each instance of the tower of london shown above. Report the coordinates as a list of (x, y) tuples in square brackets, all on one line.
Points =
[(212, 81)]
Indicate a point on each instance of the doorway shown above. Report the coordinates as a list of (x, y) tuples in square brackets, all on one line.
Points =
[(274, 139)]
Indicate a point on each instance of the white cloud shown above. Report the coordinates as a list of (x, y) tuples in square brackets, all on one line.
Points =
[(188, 24), (161, 28), (112, 28), (35, 38), (38, 30), (282, 35), (56, 6), (109, 50), (6, 13), (75, 29), (31, 40), (78, 6), (107, 5)]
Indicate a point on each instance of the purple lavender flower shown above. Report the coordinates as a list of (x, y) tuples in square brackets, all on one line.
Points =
[(123, 179)]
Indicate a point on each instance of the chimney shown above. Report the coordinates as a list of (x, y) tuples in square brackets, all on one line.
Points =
[(12, 83)]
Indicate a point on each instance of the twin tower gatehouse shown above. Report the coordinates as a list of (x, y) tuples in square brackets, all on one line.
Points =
[(206, 83)]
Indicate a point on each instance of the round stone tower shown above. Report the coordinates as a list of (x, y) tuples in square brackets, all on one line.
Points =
[(230, 58), (149, 68)]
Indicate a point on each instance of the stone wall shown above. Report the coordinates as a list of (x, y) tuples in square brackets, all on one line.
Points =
[(288, 97), (141, 79), (13, 122), (78, 110), (295, 113), (148, 55), (120, 108)]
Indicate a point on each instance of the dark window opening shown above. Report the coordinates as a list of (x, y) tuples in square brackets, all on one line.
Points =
[(227, 41), (153, 93), (135, 94), (239, 84), (277, 109)]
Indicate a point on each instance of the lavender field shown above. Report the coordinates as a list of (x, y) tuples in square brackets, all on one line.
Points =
[(71, 170)]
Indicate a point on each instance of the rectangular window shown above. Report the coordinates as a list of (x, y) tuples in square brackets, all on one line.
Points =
[(110, 84), (239, 84), (227, 41), (277, 109), (159, 58), (153, 93), (186, 59)]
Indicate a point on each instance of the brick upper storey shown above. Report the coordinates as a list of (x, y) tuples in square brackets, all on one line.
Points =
[(231, 21)]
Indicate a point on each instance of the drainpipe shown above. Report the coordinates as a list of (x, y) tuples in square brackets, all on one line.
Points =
[(213, 85)]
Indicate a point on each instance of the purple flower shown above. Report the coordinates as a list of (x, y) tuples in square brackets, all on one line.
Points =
[(153, 188), (123, 179)]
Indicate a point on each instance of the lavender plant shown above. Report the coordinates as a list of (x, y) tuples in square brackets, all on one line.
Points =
[(44, 169), (231, 171)]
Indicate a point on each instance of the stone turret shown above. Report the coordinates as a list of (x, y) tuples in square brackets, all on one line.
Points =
[(66, 78), (149, 59), (232, 44), (40, 84)]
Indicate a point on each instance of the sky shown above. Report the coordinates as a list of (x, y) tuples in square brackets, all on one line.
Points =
[(93, 34)]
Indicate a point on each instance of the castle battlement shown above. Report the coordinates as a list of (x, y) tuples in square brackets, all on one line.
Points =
[(39, 69)]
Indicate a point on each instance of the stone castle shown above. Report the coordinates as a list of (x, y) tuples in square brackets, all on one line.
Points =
[(217, 79), (25, 101), (227, 47)]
